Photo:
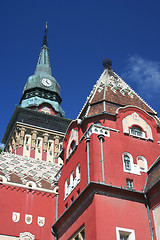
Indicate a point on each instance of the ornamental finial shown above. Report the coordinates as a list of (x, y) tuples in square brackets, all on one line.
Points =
[(107, 63)]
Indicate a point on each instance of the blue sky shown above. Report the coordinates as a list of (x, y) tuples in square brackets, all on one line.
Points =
[(81, 34)]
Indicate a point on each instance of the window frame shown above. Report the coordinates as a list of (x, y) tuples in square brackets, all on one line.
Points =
[(124, 163), (145, 164), (139, 129), (130, 233), (130, 181)]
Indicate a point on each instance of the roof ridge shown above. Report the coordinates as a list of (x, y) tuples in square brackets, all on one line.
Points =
[(93, 91)]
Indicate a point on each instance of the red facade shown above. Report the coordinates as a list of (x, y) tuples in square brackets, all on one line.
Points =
[(108, 197)]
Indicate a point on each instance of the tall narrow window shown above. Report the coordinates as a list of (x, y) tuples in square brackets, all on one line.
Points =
[(38, 145), (127, 162), (50, 148), (72, 179), (66, 188), (78, 173), (142, 163), (72, 146)]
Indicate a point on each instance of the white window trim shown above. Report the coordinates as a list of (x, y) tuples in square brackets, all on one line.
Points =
[(74, 181), (134, 167), (136, 136), (129, 232), (130, 120), (145, 162)]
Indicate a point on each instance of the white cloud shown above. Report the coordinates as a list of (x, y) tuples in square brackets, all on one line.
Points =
[(143, 72), (1, 145)]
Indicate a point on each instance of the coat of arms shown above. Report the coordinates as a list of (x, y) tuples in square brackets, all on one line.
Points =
[(41, 221), (15, 217), (28, 219)]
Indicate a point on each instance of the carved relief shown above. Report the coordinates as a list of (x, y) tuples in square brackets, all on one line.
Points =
[(56, 141), (45, 141), (34, 137), (22, 134)]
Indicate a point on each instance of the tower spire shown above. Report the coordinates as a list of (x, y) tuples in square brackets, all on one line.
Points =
[(45, 40), (43, 64), (42, 87)]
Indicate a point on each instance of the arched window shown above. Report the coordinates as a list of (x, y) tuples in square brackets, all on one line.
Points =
[(72, 180), (137, 131), (142, 163), (98, 123), (72, 142), (78, 173), (72, 146), (66, 188), (127, 161)]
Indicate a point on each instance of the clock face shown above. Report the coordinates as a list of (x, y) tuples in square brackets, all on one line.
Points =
[(46, 82)]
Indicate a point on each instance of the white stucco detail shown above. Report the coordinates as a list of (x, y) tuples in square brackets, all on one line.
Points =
[(135, 119), (26, 235)]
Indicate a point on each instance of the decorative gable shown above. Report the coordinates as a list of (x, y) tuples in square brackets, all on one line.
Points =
[(135, 120)]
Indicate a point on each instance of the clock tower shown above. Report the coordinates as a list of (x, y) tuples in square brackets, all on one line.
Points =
[(38, 125), (42, 92)]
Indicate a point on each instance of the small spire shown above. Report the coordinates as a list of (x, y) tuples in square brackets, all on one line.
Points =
[(43, 64), (45, 40)]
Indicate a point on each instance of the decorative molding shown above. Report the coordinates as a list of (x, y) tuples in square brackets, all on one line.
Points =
[(98, 129), (135, 119), (26, 236)]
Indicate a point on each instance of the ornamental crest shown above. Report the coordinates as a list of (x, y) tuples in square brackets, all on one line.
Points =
[(41, 221), (28, 219), (26, 236), (15, 216), (135, 116)]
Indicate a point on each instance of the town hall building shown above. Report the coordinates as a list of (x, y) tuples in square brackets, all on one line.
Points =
[(95, 177)]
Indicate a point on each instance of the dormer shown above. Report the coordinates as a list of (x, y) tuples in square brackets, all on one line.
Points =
[(135, 126)]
